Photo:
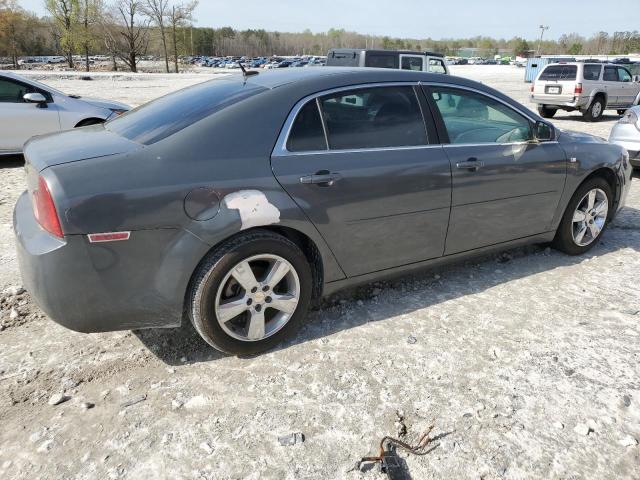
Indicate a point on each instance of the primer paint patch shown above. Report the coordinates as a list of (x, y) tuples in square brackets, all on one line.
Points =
[(254, 208)]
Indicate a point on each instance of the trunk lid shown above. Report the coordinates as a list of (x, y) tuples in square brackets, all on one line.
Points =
[(75, 145)]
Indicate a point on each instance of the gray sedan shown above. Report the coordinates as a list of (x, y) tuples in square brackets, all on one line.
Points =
[(238, 203)]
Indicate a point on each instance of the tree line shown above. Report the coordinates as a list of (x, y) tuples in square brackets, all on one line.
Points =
[(129, 29)]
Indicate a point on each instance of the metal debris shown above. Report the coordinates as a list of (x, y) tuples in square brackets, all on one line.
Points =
[(291, 439), (390, 462), (133, 401)]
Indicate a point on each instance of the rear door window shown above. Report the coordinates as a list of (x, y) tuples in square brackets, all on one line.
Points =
[(307, 133), (592, 72), (381, 60), (610, 74), (559, 73), (373, 118), (412, 63)]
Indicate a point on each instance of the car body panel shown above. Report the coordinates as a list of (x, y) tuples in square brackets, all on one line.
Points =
[(627, 135), (488, 204), (146, 190)]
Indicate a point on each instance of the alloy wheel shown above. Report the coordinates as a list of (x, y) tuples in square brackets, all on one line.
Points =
[(589, 217), (257, 297)]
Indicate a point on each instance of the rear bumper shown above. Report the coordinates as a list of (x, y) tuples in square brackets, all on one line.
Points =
[(574, 103), (109, 286)]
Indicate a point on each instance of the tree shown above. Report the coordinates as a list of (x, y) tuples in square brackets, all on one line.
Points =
[(157, 11), (91, 12), (521, 47), (10, 18), (65, 14), (575, 49), (178, 17), (126, 32)]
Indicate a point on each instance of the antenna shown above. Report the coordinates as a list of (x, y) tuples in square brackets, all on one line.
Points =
[(247, 73)]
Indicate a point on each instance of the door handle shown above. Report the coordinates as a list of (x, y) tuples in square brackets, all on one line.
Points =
[(323, 178), (471, 164)]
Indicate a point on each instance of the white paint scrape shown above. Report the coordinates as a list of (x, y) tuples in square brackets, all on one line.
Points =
[(254, 208)]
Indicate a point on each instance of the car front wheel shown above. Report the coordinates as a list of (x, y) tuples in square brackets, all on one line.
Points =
[(251, 293), (585, 218)]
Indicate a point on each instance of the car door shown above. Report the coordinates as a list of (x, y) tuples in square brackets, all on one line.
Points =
[(612, 85), (20, 120), (505, 186), (358, 162), (628, 89)]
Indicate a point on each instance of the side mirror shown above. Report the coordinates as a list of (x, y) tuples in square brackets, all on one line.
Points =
[(544, 132), (636, 78), (35, 98)]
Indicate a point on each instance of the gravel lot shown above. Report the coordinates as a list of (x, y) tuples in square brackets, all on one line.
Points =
[(526, 363)]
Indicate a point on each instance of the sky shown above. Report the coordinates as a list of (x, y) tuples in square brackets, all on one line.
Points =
[(418, 18)]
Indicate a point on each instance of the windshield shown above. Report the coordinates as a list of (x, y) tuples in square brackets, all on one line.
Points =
[(167, 115)]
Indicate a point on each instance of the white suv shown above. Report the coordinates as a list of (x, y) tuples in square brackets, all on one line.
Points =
[(588, 87)]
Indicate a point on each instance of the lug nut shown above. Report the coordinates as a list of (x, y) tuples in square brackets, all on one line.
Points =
[(249, 302), (265, 288), (258, 308), (268, 299), (254, 289)]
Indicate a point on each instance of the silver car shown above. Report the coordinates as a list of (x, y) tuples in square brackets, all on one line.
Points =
[(590, 88), (626, 133), (31, 108)]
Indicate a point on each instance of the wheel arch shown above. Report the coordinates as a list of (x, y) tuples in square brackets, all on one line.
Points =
[(303, 241), (599, 93), (85, 122)]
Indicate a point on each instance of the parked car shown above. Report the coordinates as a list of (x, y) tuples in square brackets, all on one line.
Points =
[(193, 203), (590, 88), (626, 133), (399, 59), (31, 108)]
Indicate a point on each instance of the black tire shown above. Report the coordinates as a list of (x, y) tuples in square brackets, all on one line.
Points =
[(546, 112), (595, 111), (201, 297), (621, 111), (563, 240)]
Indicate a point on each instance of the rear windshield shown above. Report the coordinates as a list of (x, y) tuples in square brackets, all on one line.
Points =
[(559, 72), (167, 115)]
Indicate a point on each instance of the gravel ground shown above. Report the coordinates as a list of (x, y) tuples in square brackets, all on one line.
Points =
[(526, 363)]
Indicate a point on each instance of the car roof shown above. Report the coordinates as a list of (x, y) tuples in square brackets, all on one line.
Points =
[(277, 78)]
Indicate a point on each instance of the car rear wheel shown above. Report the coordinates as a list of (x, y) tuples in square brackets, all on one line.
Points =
[(251, 293), (585, 218), (546, 112), (594, 112)]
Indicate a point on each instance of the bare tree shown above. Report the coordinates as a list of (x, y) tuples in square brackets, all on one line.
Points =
[(65, 15), (126, 32), (91, 14), (157, 11), (179, 16)]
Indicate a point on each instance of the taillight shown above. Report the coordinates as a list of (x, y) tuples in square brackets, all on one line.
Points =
[(578, 89), (45, 210), (533, 86)]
